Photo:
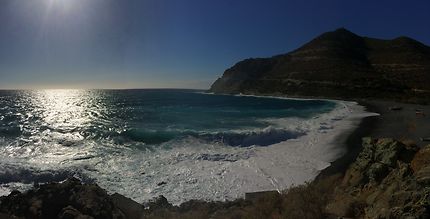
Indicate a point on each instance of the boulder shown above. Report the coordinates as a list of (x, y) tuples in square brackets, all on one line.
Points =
[(69, 199), (71, 213), (423, 175), (375, 160), (421, 159), (157, 203), (377, 171), (130, 208), (386, 151)]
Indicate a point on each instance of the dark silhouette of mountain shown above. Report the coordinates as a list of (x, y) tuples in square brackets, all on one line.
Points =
[(337, 64)]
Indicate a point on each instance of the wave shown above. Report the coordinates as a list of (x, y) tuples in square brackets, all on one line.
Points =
[(10, 131), (242, 138), (148, 136), (12, 173), (264, 137)]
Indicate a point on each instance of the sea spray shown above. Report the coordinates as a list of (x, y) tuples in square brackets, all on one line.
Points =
[(178, 143)]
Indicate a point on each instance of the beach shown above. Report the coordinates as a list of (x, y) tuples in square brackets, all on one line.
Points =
[(403, 124), (283, 149), (334, 151), (410, 122), (176, 143)]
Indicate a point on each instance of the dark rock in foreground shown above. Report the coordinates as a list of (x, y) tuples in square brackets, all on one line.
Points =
[(69, 199), (382, 183)]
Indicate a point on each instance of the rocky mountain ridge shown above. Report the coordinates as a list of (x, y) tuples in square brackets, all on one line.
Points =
[(337, 64)]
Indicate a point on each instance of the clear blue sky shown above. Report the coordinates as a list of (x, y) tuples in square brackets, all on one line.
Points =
[(176, 43)]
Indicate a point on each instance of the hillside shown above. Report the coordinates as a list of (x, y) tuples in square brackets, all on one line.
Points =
[(338, 64)]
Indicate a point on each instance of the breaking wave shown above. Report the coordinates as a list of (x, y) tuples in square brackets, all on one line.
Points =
[(264, 137), (182, 145)]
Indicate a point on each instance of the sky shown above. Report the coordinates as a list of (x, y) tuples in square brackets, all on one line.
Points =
[(175, 43)]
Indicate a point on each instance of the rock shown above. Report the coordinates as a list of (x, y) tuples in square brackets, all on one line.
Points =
[(423, 175), (14, 193), (425, 139), (161, 183), (67, 200), (130, 208), (255, 196), (395, 108), (373, 163), (421, 159), (382, 184), (387, 150), (377, 171), (6, 216), (36, 207), (71, 213), (157, 203)]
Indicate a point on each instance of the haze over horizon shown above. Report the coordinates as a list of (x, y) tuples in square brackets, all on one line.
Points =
[(174, 44)]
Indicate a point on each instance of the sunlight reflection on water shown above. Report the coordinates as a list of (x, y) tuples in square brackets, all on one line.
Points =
[(63, 108), (51, 123), (112, 137)]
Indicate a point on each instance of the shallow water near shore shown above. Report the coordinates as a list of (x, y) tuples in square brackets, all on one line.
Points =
[(182, 144)]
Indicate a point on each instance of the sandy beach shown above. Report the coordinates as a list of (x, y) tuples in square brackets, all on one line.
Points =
[(410, 122), (406, 122)]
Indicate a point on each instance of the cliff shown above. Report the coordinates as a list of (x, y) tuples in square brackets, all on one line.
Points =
[(338, 64), (388, 180)]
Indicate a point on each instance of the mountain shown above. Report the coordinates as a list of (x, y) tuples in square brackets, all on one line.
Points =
[(337, 64)]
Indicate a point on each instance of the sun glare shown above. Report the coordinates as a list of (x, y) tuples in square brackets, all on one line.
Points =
[(62, 107), (64, 5)]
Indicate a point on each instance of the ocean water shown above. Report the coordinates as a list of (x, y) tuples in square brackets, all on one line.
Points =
[(182, 144)]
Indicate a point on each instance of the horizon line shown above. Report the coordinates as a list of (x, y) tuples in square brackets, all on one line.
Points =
[(34, 89)]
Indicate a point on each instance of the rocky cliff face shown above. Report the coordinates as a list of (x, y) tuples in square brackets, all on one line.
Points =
[(337, 64), (70, 199), (388, 180)]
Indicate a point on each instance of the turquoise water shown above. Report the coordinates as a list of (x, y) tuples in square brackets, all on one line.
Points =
[(53, 134), (145, 117)]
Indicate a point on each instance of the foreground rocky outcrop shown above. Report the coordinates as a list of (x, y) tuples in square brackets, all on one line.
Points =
[(70, 199), (337, 64), (389, 179)]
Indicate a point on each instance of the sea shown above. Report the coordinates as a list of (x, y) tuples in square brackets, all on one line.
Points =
[(182, 144)]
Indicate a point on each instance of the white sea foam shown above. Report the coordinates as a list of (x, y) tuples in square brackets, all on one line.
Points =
[(192, 168), (197, 170)]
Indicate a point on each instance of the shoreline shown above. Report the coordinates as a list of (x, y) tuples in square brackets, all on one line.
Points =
[(403, 125), (281, 164), (344, 139), (352, 142), (361, 122)]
